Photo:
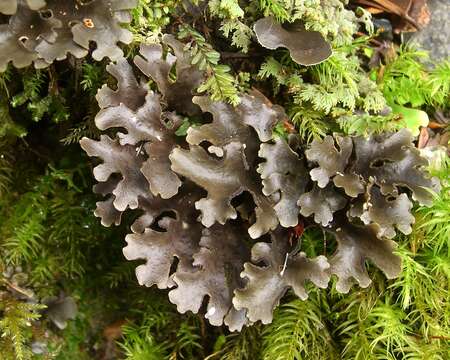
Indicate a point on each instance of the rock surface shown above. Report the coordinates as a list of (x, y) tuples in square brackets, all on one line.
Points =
[(436, 36)]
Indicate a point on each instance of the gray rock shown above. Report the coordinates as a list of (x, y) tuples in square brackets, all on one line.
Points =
[(436, 36), (39, 347)]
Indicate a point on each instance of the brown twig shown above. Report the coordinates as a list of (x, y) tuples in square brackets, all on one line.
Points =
[(17, 288), (238, 55), (53, 81), (372, 40), (433, 337), (440, 337), (35, 152)]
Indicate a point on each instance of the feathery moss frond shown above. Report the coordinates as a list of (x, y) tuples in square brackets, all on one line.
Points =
[(365, 124), (245, 345), (310, 123), (220, 84), (150, 17), (15, 329), (298, 332), (139, 344), (188, 340), (407, 81)]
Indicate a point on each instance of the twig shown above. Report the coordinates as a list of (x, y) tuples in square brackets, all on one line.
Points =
[(237, 55), (440, 337), (53, 83), (434, 337), (373, 40), (17, 288), (38, 154)]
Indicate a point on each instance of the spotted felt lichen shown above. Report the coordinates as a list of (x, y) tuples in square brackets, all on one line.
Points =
[(218, 206), (42, 32)]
